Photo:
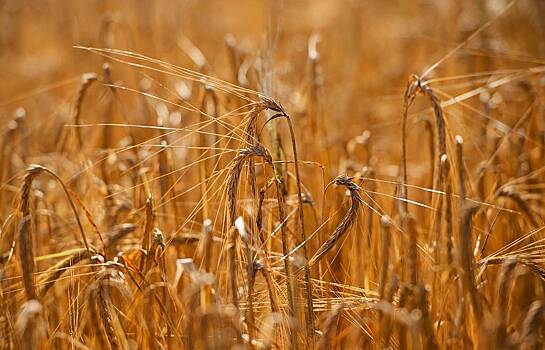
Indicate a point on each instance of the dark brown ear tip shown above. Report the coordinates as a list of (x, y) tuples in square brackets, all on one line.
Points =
[(271, 104)]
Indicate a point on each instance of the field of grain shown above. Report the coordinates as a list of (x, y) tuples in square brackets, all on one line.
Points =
[(262, 174)]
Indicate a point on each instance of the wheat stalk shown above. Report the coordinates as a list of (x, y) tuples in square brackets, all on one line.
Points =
[(347, 221)]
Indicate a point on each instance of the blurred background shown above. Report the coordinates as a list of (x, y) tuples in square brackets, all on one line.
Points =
[(367, 49)]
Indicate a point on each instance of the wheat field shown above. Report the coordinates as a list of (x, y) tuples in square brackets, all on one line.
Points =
[(272, 174)]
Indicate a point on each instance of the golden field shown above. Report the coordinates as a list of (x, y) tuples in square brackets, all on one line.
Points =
[(272, 174)]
